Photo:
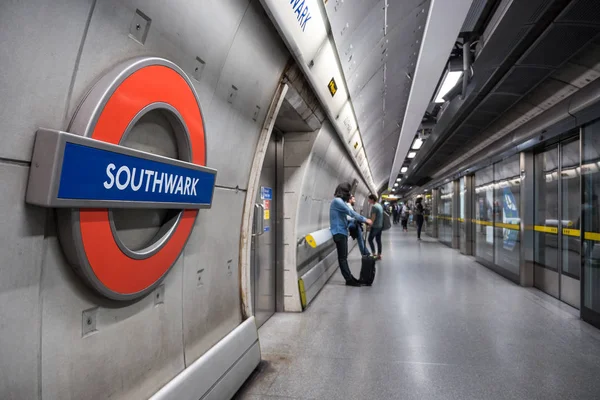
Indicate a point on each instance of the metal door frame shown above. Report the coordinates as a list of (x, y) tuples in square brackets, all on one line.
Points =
[(245, 257), (276, 223), (544, 284), (587, 314)]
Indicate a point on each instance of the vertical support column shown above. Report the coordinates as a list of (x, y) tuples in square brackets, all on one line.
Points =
[(279, 218), (455, 214), (469, 194), (466, 66), (434, 212), (527, 213)]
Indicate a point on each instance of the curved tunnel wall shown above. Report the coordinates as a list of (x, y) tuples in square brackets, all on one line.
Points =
[(311, 177), (53, 52)]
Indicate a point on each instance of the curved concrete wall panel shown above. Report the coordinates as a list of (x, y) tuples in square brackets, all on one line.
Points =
[(310, 184), (52, 53)]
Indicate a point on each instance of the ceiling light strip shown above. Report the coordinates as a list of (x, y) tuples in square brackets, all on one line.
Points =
[(444, 22)]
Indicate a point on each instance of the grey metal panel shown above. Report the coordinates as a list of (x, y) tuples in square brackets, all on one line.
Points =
[(254, 65), (352, 13), (570, 291), (128, 341), (220, 371), (211, 297), (229, 384), (180, 30), (136, 348), (21, 246), (39, 46), (255, 43), (366, 35), (317, 277), (546, 280)]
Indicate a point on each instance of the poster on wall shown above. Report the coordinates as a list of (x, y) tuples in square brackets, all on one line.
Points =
[(489, 210), (266, 193), (511, 216)]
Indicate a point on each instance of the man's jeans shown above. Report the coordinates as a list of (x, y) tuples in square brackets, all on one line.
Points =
[(375, 234), (361, 243), (341, 244)]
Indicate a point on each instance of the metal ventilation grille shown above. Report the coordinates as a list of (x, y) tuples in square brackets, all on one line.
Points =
[(501, 47), (537, 12), (480, 119), (498, 102), (521, 80), (474, 14), (558, 44), (582, 12)]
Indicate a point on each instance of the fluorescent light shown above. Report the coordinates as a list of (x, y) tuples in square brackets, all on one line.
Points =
[(417, 144), (412, 154), (450, 80), (398, 180), (404, 169)]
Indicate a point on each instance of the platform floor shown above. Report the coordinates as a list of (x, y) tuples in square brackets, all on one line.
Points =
[(435, 325)]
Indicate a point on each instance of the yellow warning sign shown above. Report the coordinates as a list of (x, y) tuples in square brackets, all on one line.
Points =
[(267, 214), (332, 87)]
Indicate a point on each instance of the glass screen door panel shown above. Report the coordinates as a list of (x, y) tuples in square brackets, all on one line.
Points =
[(546, 253), (570, 185)]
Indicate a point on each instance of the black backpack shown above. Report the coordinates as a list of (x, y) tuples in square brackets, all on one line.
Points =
[(419, 209)]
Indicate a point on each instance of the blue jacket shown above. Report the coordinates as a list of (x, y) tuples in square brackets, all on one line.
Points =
[(338, 211)]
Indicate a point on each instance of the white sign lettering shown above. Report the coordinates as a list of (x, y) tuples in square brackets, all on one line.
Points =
[(301, 11), (156, 182)]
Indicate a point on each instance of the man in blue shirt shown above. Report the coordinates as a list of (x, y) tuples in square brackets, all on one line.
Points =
[(377, 228), (338, 223)]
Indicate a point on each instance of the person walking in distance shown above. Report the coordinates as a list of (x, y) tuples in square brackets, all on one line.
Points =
[(396, 213), (338, 224), (404, 216), (377, 227), (418, 213)]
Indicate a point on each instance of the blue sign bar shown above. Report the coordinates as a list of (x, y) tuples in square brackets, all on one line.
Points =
[(77, 172), (95, 174)]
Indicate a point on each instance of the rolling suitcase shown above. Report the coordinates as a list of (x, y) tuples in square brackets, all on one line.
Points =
[(367, 270)]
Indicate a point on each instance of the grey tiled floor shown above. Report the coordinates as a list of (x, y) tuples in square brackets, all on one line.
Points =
[(435, 325)]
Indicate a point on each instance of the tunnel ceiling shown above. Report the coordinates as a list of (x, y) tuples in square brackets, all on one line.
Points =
[(535, 54), (378, 46)]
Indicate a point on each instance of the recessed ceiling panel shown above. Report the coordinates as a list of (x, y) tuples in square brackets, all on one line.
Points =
[(350, 12), (372, 77), (370, 28), (378, 62), (365, 71), (359, 47)]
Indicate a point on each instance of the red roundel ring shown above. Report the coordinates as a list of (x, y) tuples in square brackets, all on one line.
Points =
[(106, 114)]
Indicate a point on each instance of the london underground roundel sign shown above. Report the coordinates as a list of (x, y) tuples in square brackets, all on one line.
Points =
[(86, 173)]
